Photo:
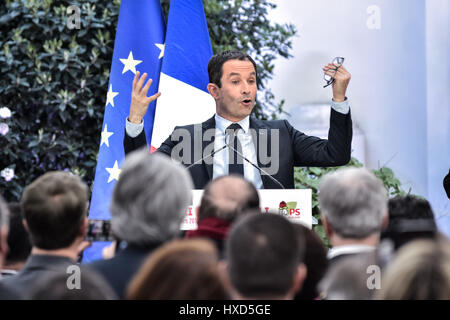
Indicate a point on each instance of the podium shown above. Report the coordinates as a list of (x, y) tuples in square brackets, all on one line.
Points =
[(294, 204)]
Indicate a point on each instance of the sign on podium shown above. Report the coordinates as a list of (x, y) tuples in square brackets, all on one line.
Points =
[(294, 204)]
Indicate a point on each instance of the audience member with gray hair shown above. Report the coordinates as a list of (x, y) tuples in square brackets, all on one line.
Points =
[(148, 205), (353, 203)]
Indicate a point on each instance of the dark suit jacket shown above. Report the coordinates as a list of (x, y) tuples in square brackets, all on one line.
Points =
[(119, 270), (36, 268), (296, 149)]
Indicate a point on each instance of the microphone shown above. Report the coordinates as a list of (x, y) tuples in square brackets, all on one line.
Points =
[(254, 165), (230, 137), (207, 156)]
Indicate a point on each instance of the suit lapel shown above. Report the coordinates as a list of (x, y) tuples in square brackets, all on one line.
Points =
[(259, 131), (208, 124)]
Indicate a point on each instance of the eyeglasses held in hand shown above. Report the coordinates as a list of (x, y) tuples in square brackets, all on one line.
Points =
[(337, 62)]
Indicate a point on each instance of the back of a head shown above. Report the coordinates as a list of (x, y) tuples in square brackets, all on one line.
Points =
[(55, 286), (263, 255), (227, 197), (354, 202), (180, 270), (410, 218), (315, 260), (18, 238), (419, 271), (150, 199), (54, 207)]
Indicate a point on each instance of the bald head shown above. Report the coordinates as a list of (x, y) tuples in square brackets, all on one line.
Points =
[(227, 196)]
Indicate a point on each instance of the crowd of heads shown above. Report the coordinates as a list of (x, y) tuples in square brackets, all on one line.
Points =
[(378, 248)]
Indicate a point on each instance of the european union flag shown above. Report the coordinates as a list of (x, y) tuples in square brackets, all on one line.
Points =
[(139, 46)]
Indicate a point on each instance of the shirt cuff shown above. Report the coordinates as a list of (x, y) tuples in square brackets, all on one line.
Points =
[(341, 107), (134, 129)]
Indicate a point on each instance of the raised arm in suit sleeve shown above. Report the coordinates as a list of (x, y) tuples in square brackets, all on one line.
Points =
[(134, 137), (316, 152)]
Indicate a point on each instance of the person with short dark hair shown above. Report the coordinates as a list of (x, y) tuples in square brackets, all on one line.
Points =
[(410, 218), (18, 242), (54, 207), (223, 200), (264, 258), (270, 149)]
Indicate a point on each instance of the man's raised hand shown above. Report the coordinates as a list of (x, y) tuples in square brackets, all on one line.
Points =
[(139, 100), (341, 80)]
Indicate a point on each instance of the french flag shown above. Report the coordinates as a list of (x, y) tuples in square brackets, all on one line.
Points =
[(184, 73)]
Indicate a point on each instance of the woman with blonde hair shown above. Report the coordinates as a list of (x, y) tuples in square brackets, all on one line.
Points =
[(420, 271)]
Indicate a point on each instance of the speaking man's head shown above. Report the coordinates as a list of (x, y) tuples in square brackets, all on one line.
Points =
[(233, 84)]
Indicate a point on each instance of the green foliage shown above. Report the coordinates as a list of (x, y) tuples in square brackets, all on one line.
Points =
[(310, 177), (54, 82)]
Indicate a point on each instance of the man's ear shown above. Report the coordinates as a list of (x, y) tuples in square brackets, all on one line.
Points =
[(385, 221), (326, 226), (299, 278), (84, 227), (25, 225), (225, 276), (4, 241), (213, 90)]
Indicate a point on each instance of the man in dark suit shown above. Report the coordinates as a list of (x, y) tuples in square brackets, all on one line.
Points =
[(273, 147)]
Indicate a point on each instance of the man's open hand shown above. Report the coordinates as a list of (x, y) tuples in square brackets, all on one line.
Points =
[(341, 80), (139, 100)]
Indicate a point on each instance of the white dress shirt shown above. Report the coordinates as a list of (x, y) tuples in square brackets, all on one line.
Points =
[(220, 164)]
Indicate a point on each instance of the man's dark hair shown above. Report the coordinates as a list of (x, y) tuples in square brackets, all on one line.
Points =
[(263, 254), (410, 218), (228, 206), (215, 64), (18, 238), (54, 207)]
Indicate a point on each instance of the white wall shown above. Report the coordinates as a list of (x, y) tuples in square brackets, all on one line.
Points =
[(400, 79)]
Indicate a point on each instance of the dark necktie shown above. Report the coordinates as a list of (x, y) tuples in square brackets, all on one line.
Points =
[(235, 161)]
